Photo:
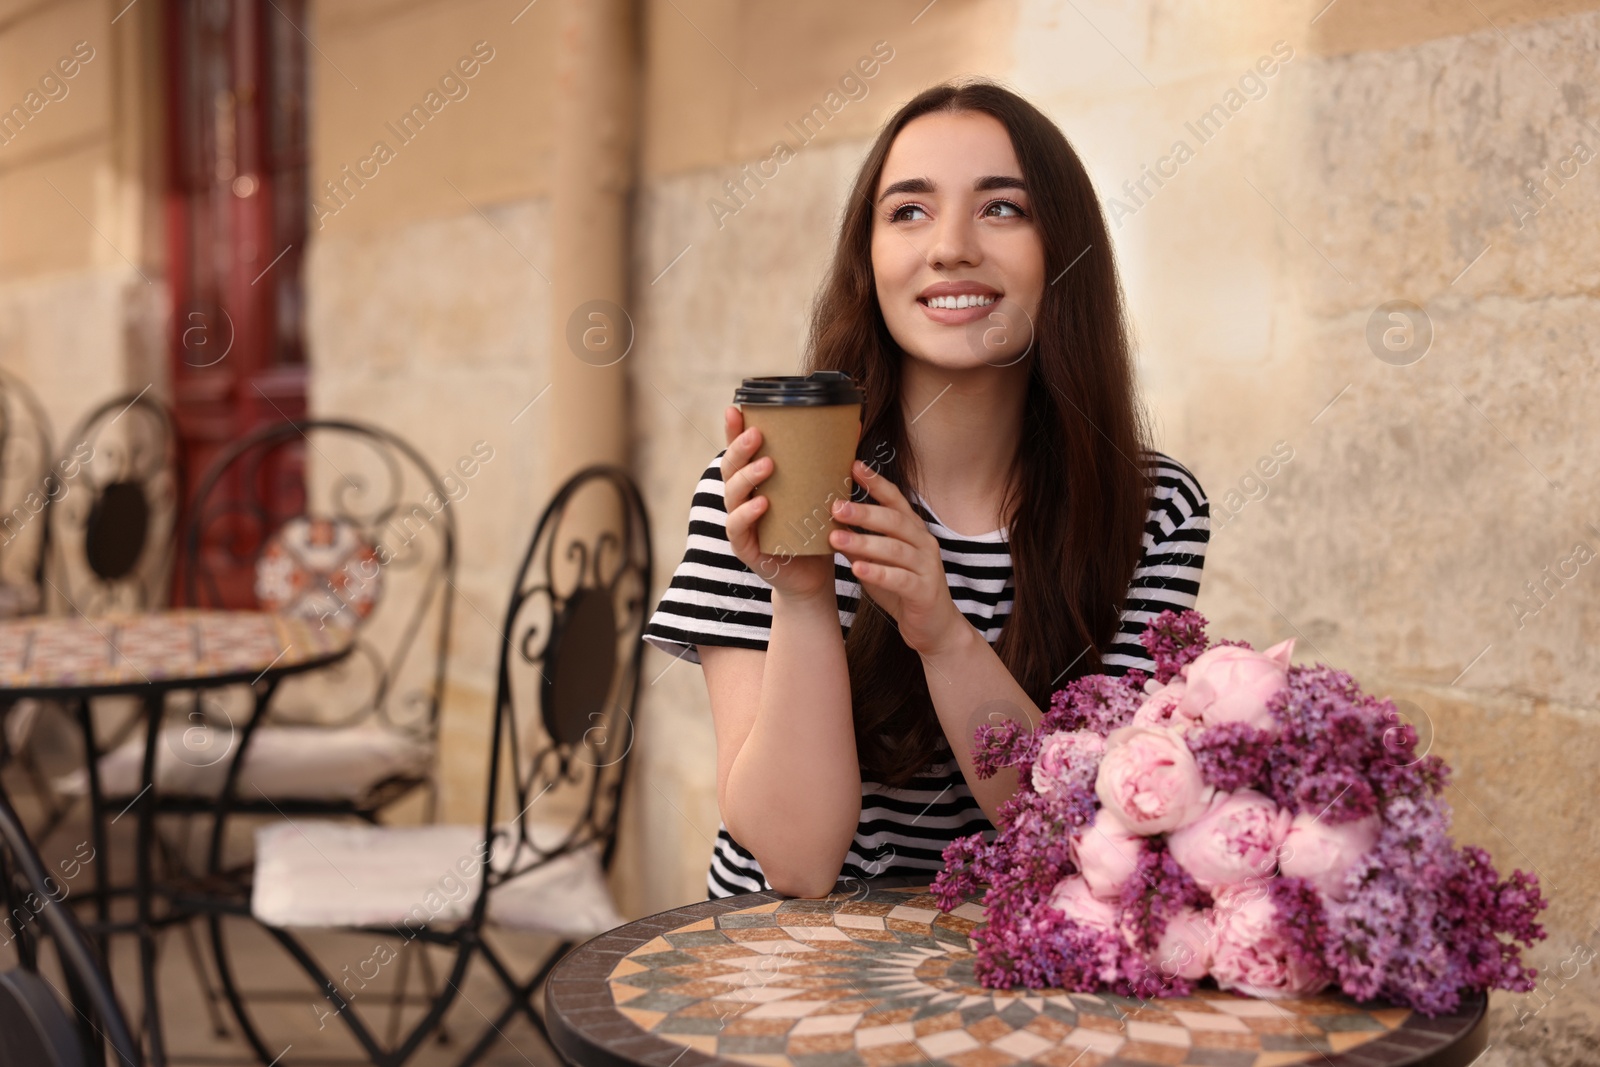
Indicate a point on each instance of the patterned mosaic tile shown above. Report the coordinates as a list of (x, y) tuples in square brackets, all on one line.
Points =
[(887, 980), (73, 652)]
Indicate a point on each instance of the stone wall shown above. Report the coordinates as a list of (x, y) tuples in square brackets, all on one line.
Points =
[(427, 302), (82, 299)]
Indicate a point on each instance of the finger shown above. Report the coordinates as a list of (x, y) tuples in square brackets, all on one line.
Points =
[(890, 550), (879, 486), (744, 445), (880, 519), (738, 488), (881, 577), (741, 521), (883, 490), (732, 421)]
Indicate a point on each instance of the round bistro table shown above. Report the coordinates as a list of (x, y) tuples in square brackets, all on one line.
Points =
[(880, 977), (75, 658)]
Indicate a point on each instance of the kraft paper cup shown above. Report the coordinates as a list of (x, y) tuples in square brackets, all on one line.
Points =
[(809, 426)]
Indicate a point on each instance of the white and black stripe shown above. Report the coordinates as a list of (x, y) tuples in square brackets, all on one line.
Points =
[(714, 599)]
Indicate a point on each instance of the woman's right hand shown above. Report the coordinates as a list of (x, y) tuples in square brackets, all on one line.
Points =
[(795, 577)]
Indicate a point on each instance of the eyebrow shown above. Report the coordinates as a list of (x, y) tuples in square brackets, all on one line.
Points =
[(982, 185)]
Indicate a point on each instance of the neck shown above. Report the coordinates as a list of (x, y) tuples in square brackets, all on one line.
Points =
[(967, 428)]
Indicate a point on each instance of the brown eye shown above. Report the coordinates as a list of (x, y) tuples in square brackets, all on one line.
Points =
[(898, 214), (1018, 212)]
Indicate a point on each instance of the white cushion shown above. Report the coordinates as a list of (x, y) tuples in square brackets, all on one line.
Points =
[(567, 896), (284, 762), (324, 874)]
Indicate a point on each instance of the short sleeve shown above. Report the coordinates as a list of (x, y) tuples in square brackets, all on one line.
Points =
[(1177, 531), (713, 598)]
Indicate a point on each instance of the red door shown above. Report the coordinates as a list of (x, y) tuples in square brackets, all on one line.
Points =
[(236, 212)]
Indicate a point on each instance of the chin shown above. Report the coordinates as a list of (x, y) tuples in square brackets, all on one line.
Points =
[(954, 355)]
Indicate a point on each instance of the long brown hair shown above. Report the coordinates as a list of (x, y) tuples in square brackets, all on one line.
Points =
[(1078, 493)]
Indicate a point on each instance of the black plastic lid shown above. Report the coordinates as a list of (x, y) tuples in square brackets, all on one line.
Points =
[(820, 388)]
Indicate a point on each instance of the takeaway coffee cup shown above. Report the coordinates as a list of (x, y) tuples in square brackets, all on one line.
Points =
[(809, 426)]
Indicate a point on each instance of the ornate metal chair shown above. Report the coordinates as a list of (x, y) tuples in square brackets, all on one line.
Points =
[(347, 525), (115, 493), (568, 683), (26, 454), (105, 546), (330, 520), (35, 1029)]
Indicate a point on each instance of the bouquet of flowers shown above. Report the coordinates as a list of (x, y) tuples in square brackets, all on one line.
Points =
[(1267, 825)]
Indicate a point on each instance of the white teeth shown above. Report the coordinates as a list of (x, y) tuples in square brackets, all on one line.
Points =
[(965, 300)]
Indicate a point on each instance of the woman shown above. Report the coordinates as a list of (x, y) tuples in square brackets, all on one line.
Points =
[(1003, 540)]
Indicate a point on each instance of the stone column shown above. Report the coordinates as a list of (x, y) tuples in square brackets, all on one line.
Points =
[(592, 176)]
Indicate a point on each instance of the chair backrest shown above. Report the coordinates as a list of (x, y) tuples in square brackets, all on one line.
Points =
[(570, 656), (36, 1029), (116, 489), (26, 454), (341, 523)]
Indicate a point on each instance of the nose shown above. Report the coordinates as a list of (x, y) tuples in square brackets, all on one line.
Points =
[(953, 242)]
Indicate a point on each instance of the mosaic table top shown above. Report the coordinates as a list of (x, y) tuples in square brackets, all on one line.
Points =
[(58, 653), (882, 977)]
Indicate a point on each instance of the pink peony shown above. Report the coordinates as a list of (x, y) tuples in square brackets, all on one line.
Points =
[(1163, 706), (1321, 854), (1149, 780), (1185, 947), (1073, 899), (1232, 684), (1236, 838), (1067, 758), (1107, 853), (1252, 951)]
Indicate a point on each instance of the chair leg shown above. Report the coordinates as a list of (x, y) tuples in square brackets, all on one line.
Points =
[(521, 1001), (397, 1002), (495, 1031), (430, 986), (98, 835), (219, 953), (172, 856), (213, 999)]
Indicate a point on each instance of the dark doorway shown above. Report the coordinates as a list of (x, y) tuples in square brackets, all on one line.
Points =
[(236, 213)]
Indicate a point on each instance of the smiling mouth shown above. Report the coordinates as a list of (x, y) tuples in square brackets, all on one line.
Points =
[(956, 303)]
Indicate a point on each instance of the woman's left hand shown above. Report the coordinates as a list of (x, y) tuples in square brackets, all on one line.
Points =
[(898, 563)]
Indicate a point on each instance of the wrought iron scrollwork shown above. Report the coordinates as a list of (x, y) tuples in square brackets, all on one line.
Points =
[(114, 495), (339, 479), (570, 662), (26, 455)]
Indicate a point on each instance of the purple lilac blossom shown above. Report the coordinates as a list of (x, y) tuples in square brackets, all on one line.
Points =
[(1232, 755), (1423, 921), (1173, 640), (1095, 702)]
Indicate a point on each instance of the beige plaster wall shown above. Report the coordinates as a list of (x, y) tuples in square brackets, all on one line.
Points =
[(81, 288), (1387, 161), (427, 298)]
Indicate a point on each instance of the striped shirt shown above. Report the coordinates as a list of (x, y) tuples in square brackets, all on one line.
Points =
[(714, 599)]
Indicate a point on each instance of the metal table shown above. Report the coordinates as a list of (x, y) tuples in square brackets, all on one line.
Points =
[(881, 977), (151, 655)]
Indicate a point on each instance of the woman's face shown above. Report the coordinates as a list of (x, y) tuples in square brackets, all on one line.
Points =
[(956, 258)]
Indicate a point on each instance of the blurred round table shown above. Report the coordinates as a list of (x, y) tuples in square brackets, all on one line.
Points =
[(75, 658), (881, 977)]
